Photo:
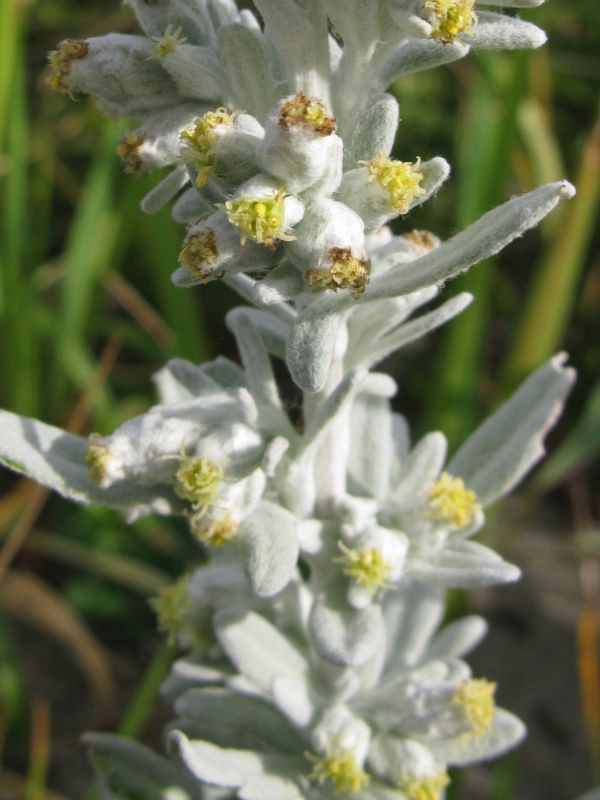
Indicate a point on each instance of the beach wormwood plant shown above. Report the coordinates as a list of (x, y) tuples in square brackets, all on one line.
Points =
[(314, 664)]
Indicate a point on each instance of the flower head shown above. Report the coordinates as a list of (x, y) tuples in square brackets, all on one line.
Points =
[(305, 112), (259, 218), (168, 43), (476, 699), (60, 61), (97, 458), (339, 768), (170, 606), (426, 788), (450, 18), (214, 532), (400, 180), (128, 150), (368, 568), (199, 140), (343, 270), (198, 480), (199, 254), (450, 501)]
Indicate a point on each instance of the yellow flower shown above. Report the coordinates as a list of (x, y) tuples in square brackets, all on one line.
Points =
[(340, 769), (450, 18), (399, 179), (345, 271), (450, 501)]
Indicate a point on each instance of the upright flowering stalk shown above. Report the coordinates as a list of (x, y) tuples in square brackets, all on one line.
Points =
[(314, 664)]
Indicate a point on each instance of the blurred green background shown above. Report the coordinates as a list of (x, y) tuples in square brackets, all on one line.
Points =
[(87, 314)]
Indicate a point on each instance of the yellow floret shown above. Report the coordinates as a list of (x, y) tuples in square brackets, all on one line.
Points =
[(450, 501), (128, 150), (340, 769), (60, 61), (345, 271), (306, 112), (429, 788), (368, 568), (199, 140), (476, 699), (214, 532), (170, 606), (450, 18), (261, 219), (168, 43), (399, 179), (198, 480), (200, 253), (97, 458)]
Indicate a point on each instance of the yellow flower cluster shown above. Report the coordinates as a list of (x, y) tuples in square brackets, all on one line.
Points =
[(199, 141), (450, 18), (346, 271)]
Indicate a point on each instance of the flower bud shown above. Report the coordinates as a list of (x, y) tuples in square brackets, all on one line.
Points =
[(211, 248), (221, 144), (330, 248), (155, 143), (61, 59), (117, 70), (300, 146)]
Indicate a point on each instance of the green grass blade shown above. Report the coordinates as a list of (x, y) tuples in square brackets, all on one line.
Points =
[(90, 245), (484, 151), (554, 290)]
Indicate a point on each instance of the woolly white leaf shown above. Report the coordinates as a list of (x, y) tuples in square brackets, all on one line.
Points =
[(501, 32), (479, 241), (231, 719), (215, 765), (373, 132), (258, 650), (271, 543), (56, 459), (505, 733), (418, 472), (342, 635), (458, 638), (464, 565), (247, 70), (311, 346), (497, 456), (127, 768)]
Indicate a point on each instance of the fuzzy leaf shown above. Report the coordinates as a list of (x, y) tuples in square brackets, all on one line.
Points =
[(215, 765), (247, 70), (412, 614), (505, 733), (501, 32), (458, 638), (299, 31), (373, 352), (311, 346), (479, 241), (414, 55), (419, 470), (373, 132), (464, 565), (257, 365), (56, 459), (127, 769), (271, 543), (342, 635), (258, 650), (230, 719), (497, 456)]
